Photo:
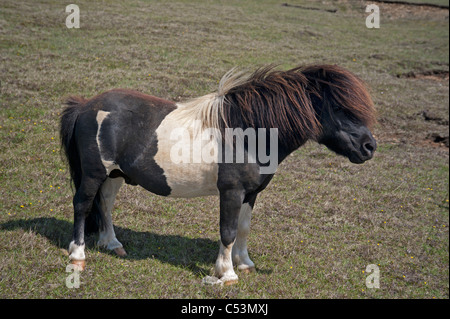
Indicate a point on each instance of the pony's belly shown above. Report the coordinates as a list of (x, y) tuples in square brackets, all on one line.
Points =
[(191, 180)]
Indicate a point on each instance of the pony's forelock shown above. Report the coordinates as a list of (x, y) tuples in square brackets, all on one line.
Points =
[(347, 90)]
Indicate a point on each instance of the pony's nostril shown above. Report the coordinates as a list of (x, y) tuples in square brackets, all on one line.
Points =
[(369, 148)]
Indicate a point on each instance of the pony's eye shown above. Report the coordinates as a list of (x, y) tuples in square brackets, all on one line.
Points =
[(337, 108)]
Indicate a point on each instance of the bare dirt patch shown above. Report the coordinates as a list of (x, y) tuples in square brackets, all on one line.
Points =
[(427, 116), (439, 139), (419, 4), (435, 75), (400, 10), (308, 8)]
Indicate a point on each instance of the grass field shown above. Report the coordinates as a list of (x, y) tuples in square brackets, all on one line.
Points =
[(319, 223)]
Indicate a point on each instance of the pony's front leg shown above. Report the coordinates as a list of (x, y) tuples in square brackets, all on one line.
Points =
[(230, 206), (239, 252)]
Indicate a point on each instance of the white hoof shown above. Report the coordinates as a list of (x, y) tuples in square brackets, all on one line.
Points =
[(120, 251), (78, 264), (229, 280)]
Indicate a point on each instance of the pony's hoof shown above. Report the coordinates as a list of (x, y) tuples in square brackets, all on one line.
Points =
[(230, 282), (248, 270), (225, 280), (79, 264), (120, 251)]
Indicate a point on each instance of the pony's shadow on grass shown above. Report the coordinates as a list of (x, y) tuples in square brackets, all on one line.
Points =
[(196, 254)]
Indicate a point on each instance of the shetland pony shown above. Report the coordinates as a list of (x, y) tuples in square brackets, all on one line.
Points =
[(127, 136)]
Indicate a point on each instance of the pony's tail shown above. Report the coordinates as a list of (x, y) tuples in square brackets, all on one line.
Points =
[(74, 106), (69, 117)]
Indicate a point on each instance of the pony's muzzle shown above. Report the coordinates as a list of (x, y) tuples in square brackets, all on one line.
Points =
[(368, 147)]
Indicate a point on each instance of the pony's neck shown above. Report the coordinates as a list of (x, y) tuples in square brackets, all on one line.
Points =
[(285, 150)]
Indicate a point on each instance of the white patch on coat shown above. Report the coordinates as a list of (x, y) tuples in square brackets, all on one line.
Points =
[(109, 190), (197, 115), (240, 253), (224, 264), (76, 252), (189, 176), (109, 165)]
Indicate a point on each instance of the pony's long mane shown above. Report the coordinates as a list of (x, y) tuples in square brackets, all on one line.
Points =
[(270, 98)]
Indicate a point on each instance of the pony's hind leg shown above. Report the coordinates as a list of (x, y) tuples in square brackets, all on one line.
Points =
[(107, 237), (82, 203)]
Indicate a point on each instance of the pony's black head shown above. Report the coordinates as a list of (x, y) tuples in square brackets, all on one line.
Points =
[(345, 111), (348, 137)]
